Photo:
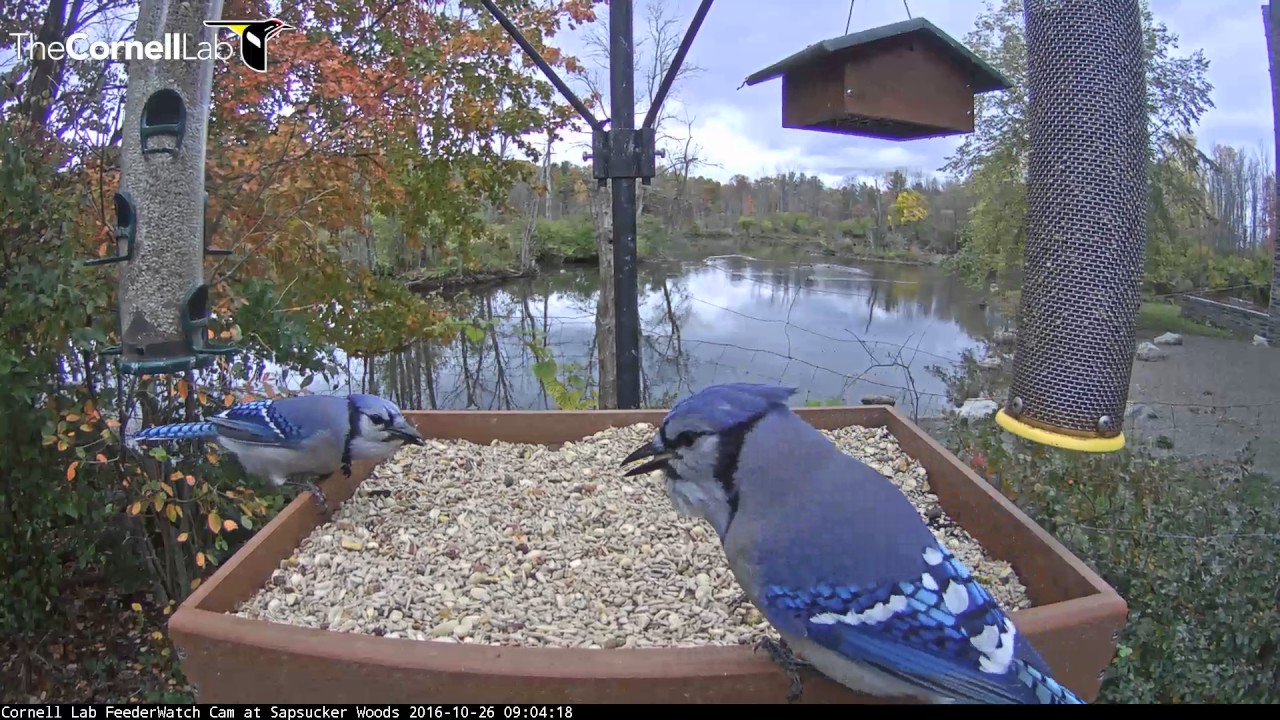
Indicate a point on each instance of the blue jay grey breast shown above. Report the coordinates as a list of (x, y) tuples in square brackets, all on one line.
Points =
[(844, 567)]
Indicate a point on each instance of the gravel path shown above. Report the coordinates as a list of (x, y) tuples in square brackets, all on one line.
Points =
[(508, 544)]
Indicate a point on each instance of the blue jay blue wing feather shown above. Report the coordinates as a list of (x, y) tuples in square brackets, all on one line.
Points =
[(178, 431), (939, 630), (257, 422)]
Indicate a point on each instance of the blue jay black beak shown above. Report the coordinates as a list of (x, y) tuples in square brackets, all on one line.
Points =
[(658, 459), (409, 433)]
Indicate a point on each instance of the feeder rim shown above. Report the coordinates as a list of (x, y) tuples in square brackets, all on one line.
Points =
[(985, 77)]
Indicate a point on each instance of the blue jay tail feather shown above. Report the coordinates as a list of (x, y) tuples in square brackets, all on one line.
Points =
[(178, 431)]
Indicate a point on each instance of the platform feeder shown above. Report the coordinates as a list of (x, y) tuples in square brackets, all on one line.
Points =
[(904, 81)]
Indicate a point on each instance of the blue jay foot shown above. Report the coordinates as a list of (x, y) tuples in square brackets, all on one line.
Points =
[(317, 495), (781, 654)]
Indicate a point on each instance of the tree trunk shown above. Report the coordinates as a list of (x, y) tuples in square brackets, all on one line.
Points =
[(606, 313)]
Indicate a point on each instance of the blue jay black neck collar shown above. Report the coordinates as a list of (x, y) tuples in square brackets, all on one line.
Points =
[(353, 422), (727, 463)]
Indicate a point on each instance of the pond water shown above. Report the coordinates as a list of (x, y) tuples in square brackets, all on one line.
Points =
[(835, 330)]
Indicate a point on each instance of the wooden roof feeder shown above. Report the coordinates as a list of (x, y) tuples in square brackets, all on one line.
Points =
[(904, 81)]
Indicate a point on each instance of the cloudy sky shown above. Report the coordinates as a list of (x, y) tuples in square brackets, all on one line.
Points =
[(740, 131)]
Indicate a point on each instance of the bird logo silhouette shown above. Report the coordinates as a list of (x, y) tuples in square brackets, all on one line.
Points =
[(254, 35)]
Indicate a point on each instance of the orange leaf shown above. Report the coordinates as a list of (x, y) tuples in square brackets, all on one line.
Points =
[(228, 400), (135, 508), (182, 537), (191, 480), (215, 522), (175, 475), (71, 471), (182, 388), (229, 525), (199, 560), (100, 458), (196, 583)]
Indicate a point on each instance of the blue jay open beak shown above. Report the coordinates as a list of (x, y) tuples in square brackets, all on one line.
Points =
[(658, 459)]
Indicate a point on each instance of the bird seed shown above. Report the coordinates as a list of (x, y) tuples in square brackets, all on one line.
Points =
[(508, 544)]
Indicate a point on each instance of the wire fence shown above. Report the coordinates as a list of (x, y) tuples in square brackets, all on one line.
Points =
[(839, 341)]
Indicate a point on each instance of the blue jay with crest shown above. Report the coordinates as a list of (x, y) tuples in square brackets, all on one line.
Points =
[(298, 440), (836, 558)]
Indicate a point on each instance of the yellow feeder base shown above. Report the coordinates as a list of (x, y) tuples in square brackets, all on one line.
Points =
[(1058, 440)]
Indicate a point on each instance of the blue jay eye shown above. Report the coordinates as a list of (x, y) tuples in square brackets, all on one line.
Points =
[(686, 438), (378, 419)]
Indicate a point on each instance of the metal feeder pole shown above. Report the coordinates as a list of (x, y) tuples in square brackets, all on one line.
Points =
[(1271, 24), (621, 154)]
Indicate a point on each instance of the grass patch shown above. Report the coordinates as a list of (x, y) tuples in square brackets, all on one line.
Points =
[(1160, 317)]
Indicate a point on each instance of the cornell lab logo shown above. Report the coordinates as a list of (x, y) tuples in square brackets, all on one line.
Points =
[(254, 35)]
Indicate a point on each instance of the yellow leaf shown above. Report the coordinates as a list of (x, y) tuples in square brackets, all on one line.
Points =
[(73, 417), (157, 501), (229, 525), (136, 607), (199, 561), (157, 635), (168, 609), (171, 512), (215, 522), (71, 470), (175, 475), (182, 537), (135, 508), (167, 488), (212, 457), (196, 583)]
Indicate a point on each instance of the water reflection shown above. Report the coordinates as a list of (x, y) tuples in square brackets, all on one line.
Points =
[(832, 330)]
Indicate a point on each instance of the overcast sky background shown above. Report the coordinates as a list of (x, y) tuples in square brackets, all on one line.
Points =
[(741, 131)]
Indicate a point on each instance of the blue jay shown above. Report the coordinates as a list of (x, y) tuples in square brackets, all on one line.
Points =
[(298, 440), (836, 558)]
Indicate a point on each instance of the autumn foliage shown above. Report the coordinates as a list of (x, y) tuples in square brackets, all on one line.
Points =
[(416, 110)]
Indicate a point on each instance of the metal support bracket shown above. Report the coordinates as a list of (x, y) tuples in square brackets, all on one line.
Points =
[(624, 153), (620, 154)]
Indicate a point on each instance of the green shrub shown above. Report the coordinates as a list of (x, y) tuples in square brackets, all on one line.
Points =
[(1191, 549), (571, 238), (48, 520)]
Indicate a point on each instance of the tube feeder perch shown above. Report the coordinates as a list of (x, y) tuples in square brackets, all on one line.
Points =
[(160, 208), (904, 81)]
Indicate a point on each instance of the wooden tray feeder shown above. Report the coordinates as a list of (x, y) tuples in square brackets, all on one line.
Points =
[(904, 81)]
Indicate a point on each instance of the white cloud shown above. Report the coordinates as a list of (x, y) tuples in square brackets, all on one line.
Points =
[(724, 137), (739, 129)]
